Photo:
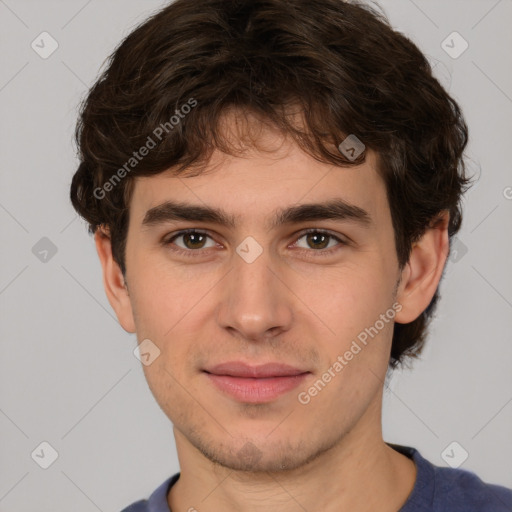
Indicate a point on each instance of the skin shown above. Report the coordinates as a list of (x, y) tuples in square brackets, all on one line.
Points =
[(292, 305)]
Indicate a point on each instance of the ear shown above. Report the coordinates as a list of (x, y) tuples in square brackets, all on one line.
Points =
[(113, 281), (421, 275)]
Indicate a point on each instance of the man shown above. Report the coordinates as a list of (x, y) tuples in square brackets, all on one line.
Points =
[(272, 186)]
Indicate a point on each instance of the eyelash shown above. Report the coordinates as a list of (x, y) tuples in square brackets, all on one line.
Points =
[(199, 252)]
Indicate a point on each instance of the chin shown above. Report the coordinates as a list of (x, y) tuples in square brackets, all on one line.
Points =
[(261, 456)]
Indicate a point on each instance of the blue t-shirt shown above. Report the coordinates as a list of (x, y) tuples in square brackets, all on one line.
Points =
[(436, 490)]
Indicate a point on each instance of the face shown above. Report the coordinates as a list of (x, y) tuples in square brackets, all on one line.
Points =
[(270, 282)]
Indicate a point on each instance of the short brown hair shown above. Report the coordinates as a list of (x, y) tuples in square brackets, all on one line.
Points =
[(340, 62)]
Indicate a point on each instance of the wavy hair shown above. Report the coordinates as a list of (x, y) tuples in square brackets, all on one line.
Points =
[(340, 63)]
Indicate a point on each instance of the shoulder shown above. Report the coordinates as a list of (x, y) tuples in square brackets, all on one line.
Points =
[(440, 489), (157, 502), (462, 490), (138, 506)]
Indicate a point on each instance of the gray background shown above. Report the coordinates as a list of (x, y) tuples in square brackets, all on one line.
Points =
[(68, 374)]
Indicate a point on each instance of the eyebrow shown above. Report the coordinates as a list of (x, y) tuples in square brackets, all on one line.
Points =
[(337, 209)]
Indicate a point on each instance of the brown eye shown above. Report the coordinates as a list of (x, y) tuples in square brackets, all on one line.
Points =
[(194, 240), (318, 240), (190, 240)]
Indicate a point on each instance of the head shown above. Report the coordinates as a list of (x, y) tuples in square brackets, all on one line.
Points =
[(234, 112)]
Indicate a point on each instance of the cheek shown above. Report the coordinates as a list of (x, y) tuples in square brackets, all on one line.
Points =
[(171, 308), (357, 346), (163, 295), (349, 298)]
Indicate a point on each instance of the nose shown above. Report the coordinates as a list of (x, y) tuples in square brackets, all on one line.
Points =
[(256, 302)]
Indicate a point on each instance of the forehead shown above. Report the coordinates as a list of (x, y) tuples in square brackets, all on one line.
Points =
[(271, 174)]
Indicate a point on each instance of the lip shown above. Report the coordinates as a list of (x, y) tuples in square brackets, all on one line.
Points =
[(255, 384), (241, 369)]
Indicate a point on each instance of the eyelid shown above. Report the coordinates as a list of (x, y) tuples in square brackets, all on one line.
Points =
[(168, 240), (343, 240), (322, 231)]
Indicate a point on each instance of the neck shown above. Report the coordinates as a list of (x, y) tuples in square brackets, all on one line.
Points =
[(359, 473)]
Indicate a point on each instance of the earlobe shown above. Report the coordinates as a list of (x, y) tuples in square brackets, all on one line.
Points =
[(420, 277), (113, 281)]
